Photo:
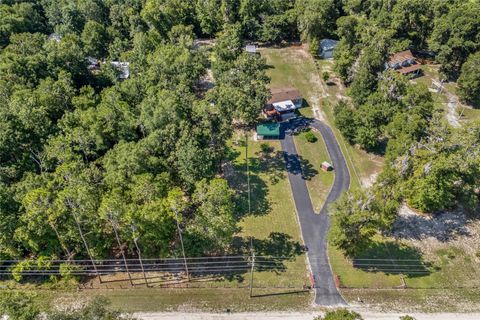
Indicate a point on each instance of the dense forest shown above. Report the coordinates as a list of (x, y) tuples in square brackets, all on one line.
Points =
[(429, 165), (84, 147)]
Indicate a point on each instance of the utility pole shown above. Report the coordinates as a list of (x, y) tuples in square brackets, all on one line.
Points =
[(114, 226), (135, 239), (251, 273), (248, 174), (70, 204), (181, 242)]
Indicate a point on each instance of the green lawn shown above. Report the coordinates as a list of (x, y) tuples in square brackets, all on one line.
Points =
[(311, 156), (449, 268), (272, 223), (157, 299), (294, 66), (416, 300)]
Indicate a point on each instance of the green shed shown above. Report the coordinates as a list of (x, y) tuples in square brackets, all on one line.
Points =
[(270, 130)]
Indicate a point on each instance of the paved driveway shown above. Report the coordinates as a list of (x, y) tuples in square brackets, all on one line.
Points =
[(315, 226)]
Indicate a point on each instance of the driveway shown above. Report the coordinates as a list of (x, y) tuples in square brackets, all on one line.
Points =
[(315, 226)]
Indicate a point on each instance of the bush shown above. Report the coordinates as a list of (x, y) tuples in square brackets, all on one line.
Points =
[(326, 76), (310, 137), (313, 46), (340, 314), (469, 80), (266, 148)]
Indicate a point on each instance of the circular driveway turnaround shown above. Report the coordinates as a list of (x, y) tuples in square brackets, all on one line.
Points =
[(315, 226)]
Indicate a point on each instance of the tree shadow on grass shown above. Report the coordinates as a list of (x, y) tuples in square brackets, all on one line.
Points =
[(392, 258), (296, 164), (272, 252), (271, 163)]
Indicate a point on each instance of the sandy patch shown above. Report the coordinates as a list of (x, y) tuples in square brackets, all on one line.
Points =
[(430, 233)]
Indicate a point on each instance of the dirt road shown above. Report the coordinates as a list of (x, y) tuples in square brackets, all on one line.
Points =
[(298, 316)]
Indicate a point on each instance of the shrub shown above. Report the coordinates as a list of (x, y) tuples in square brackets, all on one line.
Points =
[(340, 314), (266, 148), (326, 76), (310, 137)]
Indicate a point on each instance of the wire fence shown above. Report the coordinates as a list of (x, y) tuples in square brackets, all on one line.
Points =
[(193, 265), (206, 272)]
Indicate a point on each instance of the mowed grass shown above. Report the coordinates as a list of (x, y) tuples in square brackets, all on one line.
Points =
[(294, 66), (312, 154), (186, 300), (272, 224), (415, 300)]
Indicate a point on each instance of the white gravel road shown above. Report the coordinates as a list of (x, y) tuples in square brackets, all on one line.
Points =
[(298, 316)]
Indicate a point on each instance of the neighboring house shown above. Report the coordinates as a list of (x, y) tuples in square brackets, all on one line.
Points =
[(283, 103), (251, 48), (404, 62), (268, 130), (326, 48), (54, 37), (93, 64), (123, 68)]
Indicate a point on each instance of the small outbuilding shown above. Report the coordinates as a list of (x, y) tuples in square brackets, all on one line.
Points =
[(326, 48), (123, 69), (251, 48), (326, 166), (268, 130)]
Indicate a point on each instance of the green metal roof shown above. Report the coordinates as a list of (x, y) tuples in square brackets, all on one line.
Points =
[(271, 129)]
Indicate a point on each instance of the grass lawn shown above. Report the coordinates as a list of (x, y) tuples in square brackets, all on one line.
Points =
[(155, 299), (294, 66), (416, 300), (272, 223), (312, 156), (448, 269)]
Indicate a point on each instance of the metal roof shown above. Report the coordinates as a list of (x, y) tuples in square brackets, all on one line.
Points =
[(283, 94), (269, 129)]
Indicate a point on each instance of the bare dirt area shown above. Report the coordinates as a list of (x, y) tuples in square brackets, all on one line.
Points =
[(431, 233), (368, 315)]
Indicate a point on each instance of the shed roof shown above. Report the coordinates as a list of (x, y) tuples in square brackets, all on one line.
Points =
[(400, 57), (123, 68), (251, 48), (283, 94), (409, 69), (269, 129), (328, 44)]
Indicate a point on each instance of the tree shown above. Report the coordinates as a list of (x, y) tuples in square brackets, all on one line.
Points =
[(453, 45), (229, 43), (18, 18), (18, 306), (95, 39), (340, 314), (209, 16), (316, 18), (162, 15), (243, 88), (356, 218), (214, 224), (345, 120), (469, 80)]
